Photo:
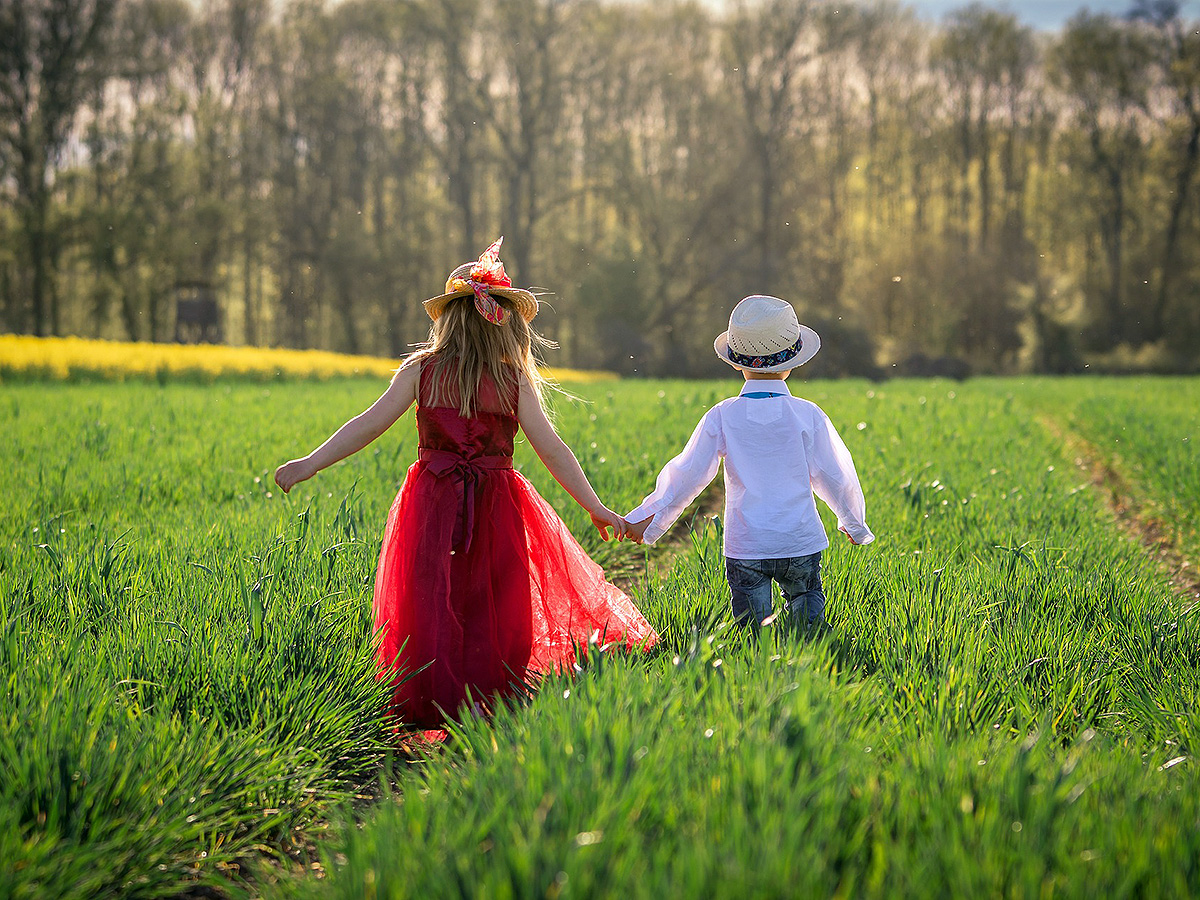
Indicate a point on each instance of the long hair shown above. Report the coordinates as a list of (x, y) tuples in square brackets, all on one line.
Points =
[(463, 345)]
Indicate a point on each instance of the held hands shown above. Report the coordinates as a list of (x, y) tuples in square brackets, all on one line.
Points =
[(604, 518), (293, 472), (636, 531)]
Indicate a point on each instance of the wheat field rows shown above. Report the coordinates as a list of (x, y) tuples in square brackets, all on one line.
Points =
[(1007, 703)]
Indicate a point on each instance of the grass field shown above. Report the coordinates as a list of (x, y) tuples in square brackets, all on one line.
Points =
[(1007, 705)]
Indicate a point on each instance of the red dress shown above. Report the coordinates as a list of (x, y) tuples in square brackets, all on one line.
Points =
[(480, 584)]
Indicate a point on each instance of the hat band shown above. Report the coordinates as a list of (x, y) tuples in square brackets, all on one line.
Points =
[(484, 302), (766, 362)]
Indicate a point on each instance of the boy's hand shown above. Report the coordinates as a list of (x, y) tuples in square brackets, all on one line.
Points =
[(637, 530), (847, 534), (293, 472), (604, 518)]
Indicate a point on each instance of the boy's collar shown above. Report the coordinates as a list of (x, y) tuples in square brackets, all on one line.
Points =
[(765, 386)]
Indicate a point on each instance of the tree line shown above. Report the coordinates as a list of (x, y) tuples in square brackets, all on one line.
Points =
[(953, 197)]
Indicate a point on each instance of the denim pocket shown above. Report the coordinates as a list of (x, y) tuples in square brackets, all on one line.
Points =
[(746, 574), (805, 571), (749, 589)]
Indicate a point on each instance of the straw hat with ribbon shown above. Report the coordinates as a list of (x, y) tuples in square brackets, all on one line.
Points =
[(484, 278), (764, 336)]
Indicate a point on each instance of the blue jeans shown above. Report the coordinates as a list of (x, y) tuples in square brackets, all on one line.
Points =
[(799, 580)]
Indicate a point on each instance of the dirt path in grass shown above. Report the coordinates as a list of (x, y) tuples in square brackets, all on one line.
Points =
[(662, 555), (1120, 499)]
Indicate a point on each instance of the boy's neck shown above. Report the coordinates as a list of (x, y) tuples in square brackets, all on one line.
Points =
[(766, 376)]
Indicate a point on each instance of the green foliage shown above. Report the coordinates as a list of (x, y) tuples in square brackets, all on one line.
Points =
[(1145, 431), (1006, 703), (968, 189), (743, 771), (190, 674)]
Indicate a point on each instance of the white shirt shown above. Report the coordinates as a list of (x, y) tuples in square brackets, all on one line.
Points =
[(777, 452)]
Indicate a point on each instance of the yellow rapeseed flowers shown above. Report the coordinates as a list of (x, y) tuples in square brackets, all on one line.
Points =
[(25, 358)]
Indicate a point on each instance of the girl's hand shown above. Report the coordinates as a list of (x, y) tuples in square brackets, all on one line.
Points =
[(358, 432), (293, 472), (604, 518)]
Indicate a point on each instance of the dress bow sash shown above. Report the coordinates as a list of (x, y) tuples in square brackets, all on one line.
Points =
[(465, 472)]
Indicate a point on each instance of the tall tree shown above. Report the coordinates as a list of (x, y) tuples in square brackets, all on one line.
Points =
[(135, 178), (678, 187), (1103, 65), (52, 54), (768, 46), (453, 26), (985, 55), (529, 45), (1177, 53)]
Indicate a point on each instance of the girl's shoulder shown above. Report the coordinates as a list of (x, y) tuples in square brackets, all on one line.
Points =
[(414, 362), (525, 394), (411, 371)]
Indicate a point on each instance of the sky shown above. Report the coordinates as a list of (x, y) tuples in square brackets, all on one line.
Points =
[(1045, 14)]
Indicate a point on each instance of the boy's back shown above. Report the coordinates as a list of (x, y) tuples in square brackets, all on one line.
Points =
[(778, 449)]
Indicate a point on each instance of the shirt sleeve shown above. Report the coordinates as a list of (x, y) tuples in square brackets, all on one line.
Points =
[(682, 479), (834, 480)]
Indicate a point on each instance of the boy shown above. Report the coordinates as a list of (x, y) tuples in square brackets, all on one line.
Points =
[(778, 450)]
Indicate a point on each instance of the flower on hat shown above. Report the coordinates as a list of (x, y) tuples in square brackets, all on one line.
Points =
[(487, 272), (486, 279)]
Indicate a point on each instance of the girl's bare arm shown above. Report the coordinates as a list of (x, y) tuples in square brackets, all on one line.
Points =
[(358, 432), (558, 458)]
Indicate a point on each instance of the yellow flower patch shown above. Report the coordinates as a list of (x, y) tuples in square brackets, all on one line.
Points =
[(59, 359)]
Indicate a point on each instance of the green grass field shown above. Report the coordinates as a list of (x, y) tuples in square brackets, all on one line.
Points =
[(1007, 704)]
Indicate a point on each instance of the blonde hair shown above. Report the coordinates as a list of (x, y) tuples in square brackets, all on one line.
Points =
[(463, 345)]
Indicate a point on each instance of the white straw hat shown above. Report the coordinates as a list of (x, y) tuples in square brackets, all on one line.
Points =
[(764, 336)]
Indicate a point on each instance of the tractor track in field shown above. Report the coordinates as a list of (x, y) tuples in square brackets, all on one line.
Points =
[(662, 555), (1129, 513)]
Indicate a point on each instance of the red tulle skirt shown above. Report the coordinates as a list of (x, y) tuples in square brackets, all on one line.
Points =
[(481, 588)]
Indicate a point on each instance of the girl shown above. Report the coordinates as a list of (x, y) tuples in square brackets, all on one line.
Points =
[(480, 585)]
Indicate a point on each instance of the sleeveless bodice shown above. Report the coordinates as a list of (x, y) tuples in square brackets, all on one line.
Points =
[(481, 586), (489, 432)]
